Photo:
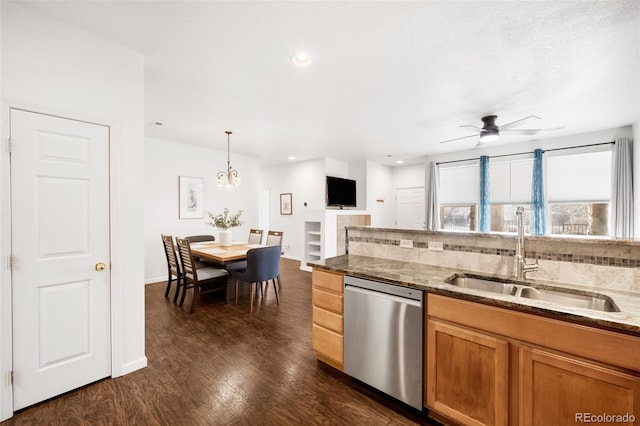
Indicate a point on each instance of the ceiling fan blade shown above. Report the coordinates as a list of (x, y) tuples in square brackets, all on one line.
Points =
[(456, 139), (518, 122), (471, 126), (521, 131)]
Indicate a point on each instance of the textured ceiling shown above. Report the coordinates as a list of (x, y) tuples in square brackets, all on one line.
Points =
[(386, 78)]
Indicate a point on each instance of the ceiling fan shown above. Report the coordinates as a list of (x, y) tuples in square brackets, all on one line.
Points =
[(490, 131)]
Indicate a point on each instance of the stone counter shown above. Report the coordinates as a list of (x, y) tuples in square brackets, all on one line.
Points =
[(432, 279)]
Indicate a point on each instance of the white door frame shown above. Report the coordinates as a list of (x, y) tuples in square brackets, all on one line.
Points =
[(6, 330)]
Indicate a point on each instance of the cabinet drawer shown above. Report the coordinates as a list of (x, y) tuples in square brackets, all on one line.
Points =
[(327, 280), (328, 343), (327, 319), (328, 301)]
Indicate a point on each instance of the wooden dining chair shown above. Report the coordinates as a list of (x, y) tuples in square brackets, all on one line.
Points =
[(274, 238), (255, 236), (173, 266), (202, 280), (263, 266)]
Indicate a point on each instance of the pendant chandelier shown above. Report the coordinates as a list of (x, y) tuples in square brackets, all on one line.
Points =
[(230, 177)]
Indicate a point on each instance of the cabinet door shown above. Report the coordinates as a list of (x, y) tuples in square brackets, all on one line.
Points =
[(467, 375), (560, 390)]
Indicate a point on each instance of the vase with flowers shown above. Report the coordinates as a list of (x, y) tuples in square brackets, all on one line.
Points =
[(224, 222)]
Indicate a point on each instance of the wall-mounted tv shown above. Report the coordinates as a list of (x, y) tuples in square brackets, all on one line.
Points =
[(341, 192)]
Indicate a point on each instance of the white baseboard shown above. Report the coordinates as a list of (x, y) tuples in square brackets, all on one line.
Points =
[(132, 366), (286, 256), (155, 280)]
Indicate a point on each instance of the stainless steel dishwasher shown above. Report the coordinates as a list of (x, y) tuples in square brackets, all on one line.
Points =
[(383, 337)]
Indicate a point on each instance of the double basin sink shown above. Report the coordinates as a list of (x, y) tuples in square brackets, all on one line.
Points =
[(561, 296)]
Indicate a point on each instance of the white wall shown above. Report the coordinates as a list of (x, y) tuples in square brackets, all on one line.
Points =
[(51, 67), (409, 176), (358, 172), (380, 195), (164, 162), (306, 182)]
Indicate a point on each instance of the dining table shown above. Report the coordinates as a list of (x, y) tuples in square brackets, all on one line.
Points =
[(215, 253)]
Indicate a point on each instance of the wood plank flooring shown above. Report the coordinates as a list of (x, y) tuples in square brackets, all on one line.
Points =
[(225, 366)]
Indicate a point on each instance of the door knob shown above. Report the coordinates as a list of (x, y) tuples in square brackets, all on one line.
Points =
[(100, 266)]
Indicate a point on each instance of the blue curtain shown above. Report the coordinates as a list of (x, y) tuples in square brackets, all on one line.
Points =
[(485, 211), (538, 209)]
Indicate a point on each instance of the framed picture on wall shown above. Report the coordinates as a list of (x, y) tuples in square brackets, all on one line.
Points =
[(285, 203), (191, 197)]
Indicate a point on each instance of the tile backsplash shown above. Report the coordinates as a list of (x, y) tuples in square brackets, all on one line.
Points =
[(611, 264)]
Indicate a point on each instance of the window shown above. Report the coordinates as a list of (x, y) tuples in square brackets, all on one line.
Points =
[(579, 192), (458, 195), (509, 187)]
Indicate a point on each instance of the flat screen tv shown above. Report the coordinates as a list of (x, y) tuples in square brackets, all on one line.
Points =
[(341, 192)]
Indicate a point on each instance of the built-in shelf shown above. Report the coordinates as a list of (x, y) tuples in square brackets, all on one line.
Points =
[(324, 234), (312, 242)]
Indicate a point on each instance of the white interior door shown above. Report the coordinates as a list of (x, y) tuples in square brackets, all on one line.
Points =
[(410, 213), (59, 239)]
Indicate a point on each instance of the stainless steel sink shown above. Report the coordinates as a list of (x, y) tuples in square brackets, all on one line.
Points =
[(566, 297), (598, 302), (484, 284)]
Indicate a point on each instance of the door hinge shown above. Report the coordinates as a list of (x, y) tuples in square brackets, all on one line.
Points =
[(9, 145), (10, 378), (10, 262)]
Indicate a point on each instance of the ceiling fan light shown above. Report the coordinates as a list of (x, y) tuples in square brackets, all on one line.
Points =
[(489, 136)]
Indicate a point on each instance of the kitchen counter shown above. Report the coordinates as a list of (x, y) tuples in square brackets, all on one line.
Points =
[(432, 279)]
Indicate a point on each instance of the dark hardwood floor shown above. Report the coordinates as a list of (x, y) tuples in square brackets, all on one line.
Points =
[(225, 366)]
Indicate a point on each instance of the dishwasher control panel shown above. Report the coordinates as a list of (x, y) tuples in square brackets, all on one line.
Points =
[(396, 290)]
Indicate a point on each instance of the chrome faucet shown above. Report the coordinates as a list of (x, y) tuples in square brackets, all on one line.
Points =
[(522, 267)]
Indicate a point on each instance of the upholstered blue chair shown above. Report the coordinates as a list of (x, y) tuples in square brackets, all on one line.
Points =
[(263, 265), (200, 238)]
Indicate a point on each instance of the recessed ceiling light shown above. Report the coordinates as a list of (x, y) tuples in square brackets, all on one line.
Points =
[(399, 162), (291, 157), (301, 59)]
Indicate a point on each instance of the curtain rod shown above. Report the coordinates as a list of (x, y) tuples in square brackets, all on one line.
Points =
[(527, 152)]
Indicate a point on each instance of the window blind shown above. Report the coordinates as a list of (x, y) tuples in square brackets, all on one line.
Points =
[(510, 181), (579, 177), (459, 183)]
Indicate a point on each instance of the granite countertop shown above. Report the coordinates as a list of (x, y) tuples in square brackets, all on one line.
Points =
[(432, 279)]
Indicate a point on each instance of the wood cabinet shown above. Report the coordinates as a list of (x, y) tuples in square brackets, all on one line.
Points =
[(467, 374), (489, 365), (327, 330), (559, 389)]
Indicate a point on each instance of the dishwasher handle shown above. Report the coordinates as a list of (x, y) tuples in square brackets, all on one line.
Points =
[(387, 296)]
